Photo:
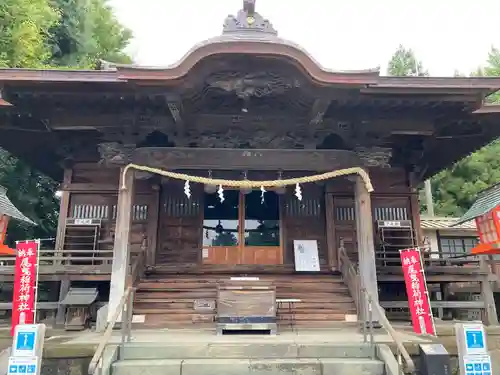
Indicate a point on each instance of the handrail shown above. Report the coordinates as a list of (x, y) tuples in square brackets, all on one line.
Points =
[(125, 309), (363, 298), (382, 319)]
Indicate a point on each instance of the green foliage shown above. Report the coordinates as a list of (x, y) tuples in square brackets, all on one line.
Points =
[(24, 26), (87, 32), (41, 34), (455, 189), (404, 63)]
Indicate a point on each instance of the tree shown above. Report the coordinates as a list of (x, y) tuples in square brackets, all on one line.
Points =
[(456, 188), (86, 33), (42, 34), (404, 63), (24, 25)]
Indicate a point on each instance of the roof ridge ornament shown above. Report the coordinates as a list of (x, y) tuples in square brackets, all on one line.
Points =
[(248, 20)]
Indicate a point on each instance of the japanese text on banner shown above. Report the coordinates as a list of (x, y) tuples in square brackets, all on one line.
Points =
[(23, 303), (416, 289)]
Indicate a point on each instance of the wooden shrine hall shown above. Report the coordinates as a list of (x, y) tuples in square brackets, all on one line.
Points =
[(244, 106)]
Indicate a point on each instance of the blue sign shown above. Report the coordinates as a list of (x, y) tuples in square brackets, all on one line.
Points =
[(486, 366), (13, 369), (474, 339), (31, 369), (26, 341), (22, 369)]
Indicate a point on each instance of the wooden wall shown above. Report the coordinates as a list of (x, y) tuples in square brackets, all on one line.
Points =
[(172, 223), (94, 195)]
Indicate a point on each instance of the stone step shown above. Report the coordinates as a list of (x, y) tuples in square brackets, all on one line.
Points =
[(251, 349), (308, 366)]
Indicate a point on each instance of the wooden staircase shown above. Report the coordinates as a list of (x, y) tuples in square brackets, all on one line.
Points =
[(167, 298)]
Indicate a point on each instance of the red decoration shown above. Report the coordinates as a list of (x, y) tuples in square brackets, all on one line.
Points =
[(418, 295), (23, 303), (488, 227), (4, 249)]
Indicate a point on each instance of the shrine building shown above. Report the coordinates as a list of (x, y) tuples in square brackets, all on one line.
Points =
[(242, 107)]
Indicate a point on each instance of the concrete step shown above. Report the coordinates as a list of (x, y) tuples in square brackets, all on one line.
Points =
[(248, 350), (218, 366)]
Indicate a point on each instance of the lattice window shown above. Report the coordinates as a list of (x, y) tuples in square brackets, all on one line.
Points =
[(344, 214), (139, 212), (391, 213), (91, 211), (181, 206), (381, 213), (305, 207)]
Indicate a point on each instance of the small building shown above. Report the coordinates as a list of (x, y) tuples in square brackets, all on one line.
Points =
[(442, 237), (244, 106)]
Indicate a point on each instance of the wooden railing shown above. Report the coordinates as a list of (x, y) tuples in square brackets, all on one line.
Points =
[(51, 261), (350, 275), (365, 304), (384, 258)]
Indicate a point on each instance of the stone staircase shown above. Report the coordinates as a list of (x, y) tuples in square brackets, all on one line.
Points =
[(248, 357), (167, 300)]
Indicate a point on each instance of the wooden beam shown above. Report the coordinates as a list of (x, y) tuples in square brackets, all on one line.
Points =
[(205, 159), (89, 121), (121, 248)]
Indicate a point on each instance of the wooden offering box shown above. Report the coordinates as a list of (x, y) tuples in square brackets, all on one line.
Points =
[(246, 305)]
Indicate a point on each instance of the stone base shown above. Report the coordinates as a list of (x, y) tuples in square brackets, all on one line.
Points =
[(222, 327)]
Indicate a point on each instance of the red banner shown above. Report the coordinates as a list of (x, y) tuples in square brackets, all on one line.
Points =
[(23, 303), (416, 289)]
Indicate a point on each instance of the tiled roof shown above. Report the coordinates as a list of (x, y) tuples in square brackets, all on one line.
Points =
[(486, 201), (438, 223), (7, 208)]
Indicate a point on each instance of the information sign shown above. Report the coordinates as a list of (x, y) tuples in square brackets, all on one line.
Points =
[(23, 365)]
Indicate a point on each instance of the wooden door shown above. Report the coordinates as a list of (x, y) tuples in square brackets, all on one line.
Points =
[(249, 236)]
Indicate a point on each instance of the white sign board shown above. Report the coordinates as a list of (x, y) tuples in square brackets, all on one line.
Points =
[(28, 340), (306, 255), (472, 349), (23, 365)]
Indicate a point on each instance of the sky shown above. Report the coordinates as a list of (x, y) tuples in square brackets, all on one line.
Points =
[(446, 35)]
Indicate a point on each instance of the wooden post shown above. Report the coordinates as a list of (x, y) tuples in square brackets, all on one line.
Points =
[(63, 211), (330, 232), (153, 226), (61, 309), (491, 317), (366, 247), (121, 249)]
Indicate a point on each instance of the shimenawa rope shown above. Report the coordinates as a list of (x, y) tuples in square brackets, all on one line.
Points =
[(249, 183)]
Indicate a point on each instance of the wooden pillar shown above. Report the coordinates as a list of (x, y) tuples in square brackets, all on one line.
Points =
[(61, 309), (366, 247), (330, 232), (121, 249), (490, 316), (63, 209), (153, 226)]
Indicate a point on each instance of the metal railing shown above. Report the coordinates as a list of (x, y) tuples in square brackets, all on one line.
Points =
[(365, 304), (124, 309)]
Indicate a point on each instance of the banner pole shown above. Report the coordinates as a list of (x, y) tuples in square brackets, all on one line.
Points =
[(36, 279)]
